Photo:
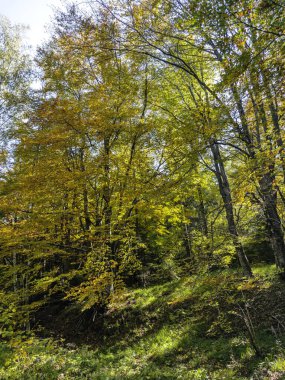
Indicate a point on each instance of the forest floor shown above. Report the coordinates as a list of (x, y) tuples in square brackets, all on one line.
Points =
[(212, 326)]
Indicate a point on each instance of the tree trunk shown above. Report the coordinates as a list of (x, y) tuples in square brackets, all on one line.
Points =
[(268, 194), (269, 197), (202, 212), (225, 192)]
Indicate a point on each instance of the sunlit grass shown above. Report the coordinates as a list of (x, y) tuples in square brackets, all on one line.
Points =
[(173, 338), (265, 270)]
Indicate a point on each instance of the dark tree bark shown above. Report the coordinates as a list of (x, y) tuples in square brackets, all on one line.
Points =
[(202, 212), (225, 192), (269, 198), (266, 189)]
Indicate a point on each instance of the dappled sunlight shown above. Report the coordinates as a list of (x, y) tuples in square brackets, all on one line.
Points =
[(142, 190)]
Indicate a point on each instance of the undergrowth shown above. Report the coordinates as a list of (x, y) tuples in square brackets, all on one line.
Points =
[(193, 328)]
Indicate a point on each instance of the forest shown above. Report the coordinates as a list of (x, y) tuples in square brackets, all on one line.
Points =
[(142, 193)]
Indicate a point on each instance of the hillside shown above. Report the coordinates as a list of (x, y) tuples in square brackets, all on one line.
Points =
[(209, 326)]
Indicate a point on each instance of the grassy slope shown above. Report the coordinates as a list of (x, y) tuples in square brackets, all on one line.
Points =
[(193, 328)]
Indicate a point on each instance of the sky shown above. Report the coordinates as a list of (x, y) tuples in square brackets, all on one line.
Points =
[(34, 13)]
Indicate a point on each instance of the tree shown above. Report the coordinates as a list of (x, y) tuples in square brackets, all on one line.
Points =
[(15, 79), (177, 33)]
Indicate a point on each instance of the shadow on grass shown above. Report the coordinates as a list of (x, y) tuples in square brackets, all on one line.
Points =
[(162, 332)]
